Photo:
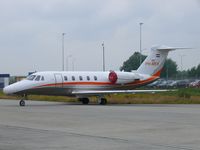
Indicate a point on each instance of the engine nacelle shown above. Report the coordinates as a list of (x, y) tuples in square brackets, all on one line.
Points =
[(112, 77), (122, 77)]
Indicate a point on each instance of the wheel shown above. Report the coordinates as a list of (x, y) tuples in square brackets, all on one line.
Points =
[(102, 101), (85, 101), (22, 103)]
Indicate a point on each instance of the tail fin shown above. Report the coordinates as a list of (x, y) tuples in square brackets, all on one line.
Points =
[(154, 63)]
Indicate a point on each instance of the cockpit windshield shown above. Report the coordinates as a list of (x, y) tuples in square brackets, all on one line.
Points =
[(31, 77), (35, 78)]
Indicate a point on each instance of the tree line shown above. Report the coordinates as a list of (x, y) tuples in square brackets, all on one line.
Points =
[(169, 71)]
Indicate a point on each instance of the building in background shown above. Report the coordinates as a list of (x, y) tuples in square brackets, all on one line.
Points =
[(4, 80), (14, 79)]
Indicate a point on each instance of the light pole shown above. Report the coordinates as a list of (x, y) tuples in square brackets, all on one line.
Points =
[(67, 62), (73, 64), (63, 52), (182, 65), (167, 71), (103, 56), (141, 42)]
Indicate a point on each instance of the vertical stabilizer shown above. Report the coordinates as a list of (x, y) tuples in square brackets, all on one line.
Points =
[(154, 63)]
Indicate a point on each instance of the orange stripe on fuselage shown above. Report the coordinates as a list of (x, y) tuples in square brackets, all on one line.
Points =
[(157, 74), (76, 83), (152, 78)]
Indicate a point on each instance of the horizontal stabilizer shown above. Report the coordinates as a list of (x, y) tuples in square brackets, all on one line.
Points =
[(163, 47)]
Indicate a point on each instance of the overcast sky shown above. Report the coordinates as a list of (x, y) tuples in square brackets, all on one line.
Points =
[(30, 32)]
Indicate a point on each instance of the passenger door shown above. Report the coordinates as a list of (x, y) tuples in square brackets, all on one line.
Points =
[(58, 80)]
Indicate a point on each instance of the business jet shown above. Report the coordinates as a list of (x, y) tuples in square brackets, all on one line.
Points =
[(85, 84)]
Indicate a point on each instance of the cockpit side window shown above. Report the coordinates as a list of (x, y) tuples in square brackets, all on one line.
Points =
[(31, 77), (42, 79), (37, 78)]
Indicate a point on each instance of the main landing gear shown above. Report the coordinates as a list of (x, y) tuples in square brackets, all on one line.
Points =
[(101, 101), (84, 101), (22, 101)]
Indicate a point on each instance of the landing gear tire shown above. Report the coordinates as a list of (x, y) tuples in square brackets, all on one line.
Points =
[(102, 101), (22, 103), (85, 101)]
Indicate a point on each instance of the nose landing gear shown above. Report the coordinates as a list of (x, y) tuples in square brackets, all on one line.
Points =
[(22, 101)]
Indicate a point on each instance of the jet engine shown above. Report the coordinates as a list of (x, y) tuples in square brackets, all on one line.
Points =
[(122, 77), (112, 77)]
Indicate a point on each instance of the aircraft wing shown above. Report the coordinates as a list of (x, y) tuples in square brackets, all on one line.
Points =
[(96, 92)]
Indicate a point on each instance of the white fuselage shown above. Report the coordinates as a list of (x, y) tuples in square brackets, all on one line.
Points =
[(64, 83)]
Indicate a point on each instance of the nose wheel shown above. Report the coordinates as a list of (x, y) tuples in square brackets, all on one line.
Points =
[(22, 102)]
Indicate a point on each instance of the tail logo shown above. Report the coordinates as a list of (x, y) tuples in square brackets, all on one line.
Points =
[(153, 62)]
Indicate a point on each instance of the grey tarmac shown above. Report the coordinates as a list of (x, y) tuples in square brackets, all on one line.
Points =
[(53, 125)]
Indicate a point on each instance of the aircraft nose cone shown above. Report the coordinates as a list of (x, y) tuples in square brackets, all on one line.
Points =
[(9, 89), (15, 87), (6, 90)]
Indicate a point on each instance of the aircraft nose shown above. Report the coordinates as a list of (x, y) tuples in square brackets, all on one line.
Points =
[(15, 87), (6, 90), (10, 89)]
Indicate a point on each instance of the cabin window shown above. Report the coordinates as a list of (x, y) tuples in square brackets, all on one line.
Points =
[(42, 79), (95, 78), (37, 78), (31, 77), (80, 78), (65, 78), (88, 78), (73, 78)]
